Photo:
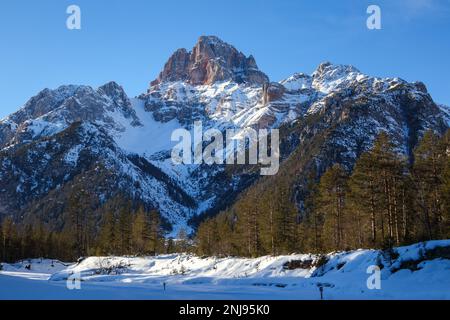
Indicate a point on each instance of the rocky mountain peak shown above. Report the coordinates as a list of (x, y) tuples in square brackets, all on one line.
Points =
[(329, 70), (211, 60), (329, 77), (111, 89), (116, 93)]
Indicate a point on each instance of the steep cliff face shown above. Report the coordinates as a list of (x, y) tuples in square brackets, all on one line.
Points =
[(211, 60), (104, 142)]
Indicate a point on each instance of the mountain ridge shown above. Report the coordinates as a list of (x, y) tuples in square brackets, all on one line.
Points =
[(338, 102)]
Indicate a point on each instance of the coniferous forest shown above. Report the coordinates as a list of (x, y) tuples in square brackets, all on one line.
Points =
[(385, 200), (122, 230)]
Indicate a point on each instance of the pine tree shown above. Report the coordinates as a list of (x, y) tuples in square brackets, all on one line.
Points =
[(428, 171), (247, 215), (312, 224), (108, 238), (124, 229), (206, 238), (80, 223), (267, 226), (287, 221), (50, 241), (156, 241), (332, 188), (10, 240), (40, 235), (27, 242), (223, 235), (364, 198), (140, 232)]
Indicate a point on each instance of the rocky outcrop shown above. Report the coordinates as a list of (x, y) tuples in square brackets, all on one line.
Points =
[(272, 91), (211, 60), (176, 68)]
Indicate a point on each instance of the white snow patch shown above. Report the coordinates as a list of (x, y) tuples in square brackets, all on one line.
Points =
[(148, 139)]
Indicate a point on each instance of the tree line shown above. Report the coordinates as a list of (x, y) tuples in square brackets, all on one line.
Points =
[(384, 201), (117, 228)]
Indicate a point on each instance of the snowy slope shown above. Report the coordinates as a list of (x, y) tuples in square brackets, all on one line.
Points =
[(343, 276), (146, 139)]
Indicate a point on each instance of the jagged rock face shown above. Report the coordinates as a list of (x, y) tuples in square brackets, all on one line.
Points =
[(176, 68), (51, 111), (210, 61)]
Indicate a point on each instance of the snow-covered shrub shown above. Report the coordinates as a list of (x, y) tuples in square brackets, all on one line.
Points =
[(423, 254), (108, 266), (298, 264)]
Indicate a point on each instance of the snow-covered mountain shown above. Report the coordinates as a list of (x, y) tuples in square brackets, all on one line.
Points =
[(105, 141)]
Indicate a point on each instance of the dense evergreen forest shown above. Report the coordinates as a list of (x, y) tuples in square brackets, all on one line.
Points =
[(122, 230), (385, 200)]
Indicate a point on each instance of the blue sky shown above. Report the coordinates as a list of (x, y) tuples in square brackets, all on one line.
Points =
[(129, 41)]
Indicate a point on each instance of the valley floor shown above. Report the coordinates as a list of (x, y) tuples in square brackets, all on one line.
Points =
[(420, 271)]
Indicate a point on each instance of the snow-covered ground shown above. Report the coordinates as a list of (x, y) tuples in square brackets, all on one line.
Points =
[(420, 271)]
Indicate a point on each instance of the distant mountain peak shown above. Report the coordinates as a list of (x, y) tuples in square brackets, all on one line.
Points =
[(211, 40), (328, 76), (211, 60), (111, 88), (334, 70), (116, 93)]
